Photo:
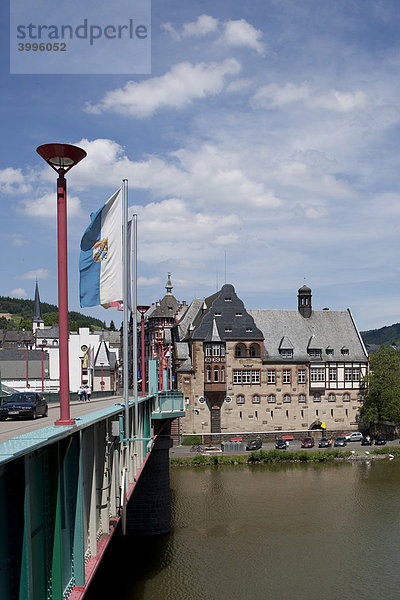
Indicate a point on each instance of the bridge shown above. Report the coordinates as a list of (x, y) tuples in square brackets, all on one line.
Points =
[(65, 491)]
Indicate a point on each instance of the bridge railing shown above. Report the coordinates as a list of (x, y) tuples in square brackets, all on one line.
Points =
[(168, 404)]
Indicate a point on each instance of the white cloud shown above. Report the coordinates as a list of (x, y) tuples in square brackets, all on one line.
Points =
[(148, 281), (46, 206), (35, 274), (202, 26), (176, 89), (277, 96), (12, 181), (19, 293), (241, 33), (17, 239)]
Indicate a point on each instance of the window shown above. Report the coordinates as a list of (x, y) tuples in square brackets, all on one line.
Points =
[(317, 374), (345, 351), (237, 376), (240, 399), (246, 376), (286, 376), (317, 397), (238, 314), (356, 375), (256, 399), (332, 373), (216, 350), (351, 374), (240, 351), (208, 349), (271, 398), (228, 329), (228, 299), (346, 397), (347, 374), (286, 353), (216, 374), (301, 376), (271, 376), (302, 397), (331, 398), (360, 398), (208, 374), (222, 374), (255, 376), (286, 398), (249, 329), (329, 351), (315, 353), (217, 314), (254, 350)]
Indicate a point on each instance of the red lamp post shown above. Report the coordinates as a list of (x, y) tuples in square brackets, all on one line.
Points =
[(61, 158), (43, 346), (142, 310)]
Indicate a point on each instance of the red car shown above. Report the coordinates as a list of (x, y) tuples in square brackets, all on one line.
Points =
[(308, 442)]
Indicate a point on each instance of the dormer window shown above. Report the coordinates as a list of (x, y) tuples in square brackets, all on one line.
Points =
[(286, 353), (238, 314), (249, 329), (314, 353), (345, 351), (217, 314), (329, 351), (228, 329), (228, 299)]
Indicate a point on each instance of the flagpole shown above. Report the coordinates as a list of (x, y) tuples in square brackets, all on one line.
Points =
[(125, 301), (134, 333)]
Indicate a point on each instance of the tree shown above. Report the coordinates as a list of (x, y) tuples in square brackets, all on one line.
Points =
[(112, 325), (382, 398)]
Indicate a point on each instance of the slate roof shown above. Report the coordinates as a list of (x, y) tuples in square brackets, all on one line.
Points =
[(324, 329), (227, 317)]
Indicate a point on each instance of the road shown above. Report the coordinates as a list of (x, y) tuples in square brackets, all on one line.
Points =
[(12, 428)]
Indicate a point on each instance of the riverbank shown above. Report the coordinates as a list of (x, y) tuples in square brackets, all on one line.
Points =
[(282, 456)]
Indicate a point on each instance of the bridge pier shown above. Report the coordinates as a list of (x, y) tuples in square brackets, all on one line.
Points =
[(149, 509)]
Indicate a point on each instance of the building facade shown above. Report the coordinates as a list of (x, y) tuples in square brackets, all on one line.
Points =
[(267, 370)]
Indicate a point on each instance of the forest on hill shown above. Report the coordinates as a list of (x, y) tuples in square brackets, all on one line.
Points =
[(16, 313), (385, 335)]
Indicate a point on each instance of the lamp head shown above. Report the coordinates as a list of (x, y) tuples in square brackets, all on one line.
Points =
[(61, 156)]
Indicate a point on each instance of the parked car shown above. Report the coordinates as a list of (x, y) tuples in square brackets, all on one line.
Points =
[(254, 445), (340, 441), (380, 440), (356, 436), (325, 443), (280, 444), (24, 405), (308, 442), (366, 441)]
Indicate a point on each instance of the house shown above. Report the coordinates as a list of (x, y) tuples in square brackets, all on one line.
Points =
[(267, 370)]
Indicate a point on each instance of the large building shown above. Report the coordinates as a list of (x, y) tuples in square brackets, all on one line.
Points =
[(267, 370)]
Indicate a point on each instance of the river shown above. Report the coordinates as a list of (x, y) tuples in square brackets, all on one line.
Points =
[(266, 532)]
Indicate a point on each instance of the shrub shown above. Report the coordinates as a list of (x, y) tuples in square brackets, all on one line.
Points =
[(191, 440)]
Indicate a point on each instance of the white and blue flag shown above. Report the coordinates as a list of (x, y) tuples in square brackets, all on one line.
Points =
[(100, 263)]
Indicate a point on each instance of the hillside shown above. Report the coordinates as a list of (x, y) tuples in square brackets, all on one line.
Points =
[(385, 335), (17, 313)]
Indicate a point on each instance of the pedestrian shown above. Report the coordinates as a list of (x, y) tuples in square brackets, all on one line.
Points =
[(80, 393), (84, 396), (287, 444), (88, 392)]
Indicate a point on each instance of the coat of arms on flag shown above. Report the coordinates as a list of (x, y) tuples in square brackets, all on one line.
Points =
[(100, 250)]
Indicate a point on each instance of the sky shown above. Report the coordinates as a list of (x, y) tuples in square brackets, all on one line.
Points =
[(261, 150)]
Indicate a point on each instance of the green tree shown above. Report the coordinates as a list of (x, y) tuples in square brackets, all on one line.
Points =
[(112, 326), (382, 387)]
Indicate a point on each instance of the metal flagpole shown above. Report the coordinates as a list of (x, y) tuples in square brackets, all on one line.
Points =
[(134, 309), (125, 291)]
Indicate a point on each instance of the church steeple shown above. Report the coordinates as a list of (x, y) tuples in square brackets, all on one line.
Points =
[(37, 321)]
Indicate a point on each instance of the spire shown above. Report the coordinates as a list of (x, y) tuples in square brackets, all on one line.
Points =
[(168, 287), (37, 321)]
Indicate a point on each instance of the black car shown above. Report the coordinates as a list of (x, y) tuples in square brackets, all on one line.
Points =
[(280, 444), (340, 441), (366, 441), (380, 440), (325, 443), (254, 445), (24, 405)]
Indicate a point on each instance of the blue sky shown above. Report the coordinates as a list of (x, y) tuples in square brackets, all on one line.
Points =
[(265, 138)]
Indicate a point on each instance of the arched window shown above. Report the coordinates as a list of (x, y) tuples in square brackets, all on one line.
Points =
[(240, 351), (223, 374), (240, 399), (216, 374), (302, 397), (208, 374), (331, 398), (254, 350), (256, 399), (286, 398), (271, 398), (346, 397)]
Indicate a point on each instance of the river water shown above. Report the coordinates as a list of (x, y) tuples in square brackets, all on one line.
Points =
[(266, 532)]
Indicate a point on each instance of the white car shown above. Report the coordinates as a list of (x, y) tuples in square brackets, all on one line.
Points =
[(356, 436)]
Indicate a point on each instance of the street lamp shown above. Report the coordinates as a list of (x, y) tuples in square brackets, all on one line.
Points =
[(142, 309), (27, 342), (102, 381), (43, 345), (61, 158)]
